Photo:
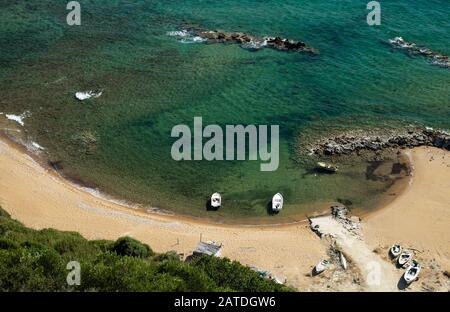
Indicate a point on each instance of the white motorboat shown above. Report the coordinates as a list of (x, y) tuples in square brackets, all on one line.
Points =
[(396, 250), (277, 202), (327, 167), (412, 272), (82, 96), (321, 266), (216, 200), (405, 257)]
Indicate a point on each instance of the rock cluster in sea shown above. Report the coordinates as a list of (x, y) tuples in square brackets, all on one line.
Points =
[(436, 58), (248, 41), (350, 142)]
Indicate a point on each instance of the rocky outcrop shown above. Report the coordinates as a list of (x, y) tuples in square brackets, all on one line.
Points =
[(350, 142), (436, 58), (247, 41)]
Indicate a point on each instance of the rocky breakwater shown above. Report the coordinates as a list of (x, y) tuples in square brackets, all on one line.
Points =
[(352, 141)]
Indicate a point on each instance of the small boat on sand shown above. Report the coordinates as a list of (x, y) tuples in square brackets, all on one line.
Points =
[(405, 257), (343, 261), (396, 250), (412, 272), (216, 200), (267, 275), (327, 167), (277, 202), (321, 266)]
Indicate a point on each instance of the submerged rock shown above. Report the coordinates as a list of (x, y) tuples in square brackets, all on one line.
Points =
[(85, 142)]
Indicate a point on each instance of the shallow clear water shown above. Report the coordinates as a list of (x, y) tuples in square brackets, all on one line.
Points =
[(152, 82)]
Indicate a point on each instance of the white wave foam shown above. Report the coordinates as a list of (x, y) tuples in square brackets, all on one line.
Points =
[(186, 36), (254, 45), (36, 145), (179, 33), (18, 118)]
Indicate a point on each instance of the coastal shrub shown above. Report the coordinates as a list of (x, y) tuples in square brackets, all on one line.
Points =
[(31, 270), (111, 272), (171, 255), (7, 244), (233, 275), (193, 279), (11, 227), (32, 260), (127, 246), (102, 245)]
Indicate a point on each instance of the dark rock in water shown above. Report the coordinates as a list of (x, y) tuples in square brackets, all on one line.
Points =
[(251, 42), (345, 202), (435, 58), (56, 164)]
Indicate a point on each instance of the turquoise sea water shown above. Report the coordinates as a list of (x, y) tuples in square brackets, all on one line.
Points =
[(121, 141)]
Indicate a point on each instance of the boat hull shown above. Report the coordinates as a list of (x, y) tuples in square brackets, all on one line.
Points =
[(277, 202)]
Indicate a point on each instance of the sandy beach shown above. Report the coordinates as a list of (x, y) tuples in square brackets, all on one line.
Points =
[(419, 218)]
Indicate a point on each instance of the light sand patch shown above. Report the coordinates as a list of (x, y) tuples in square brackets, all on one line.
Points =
[(377, 274)]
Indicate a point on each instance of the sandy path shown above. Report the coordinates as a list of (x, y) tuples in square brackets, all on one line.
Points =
[(377, 274)]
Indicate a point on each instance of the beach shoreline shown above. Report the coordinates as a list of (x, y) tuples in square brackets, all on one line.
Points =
[(65, 206), (19, 141)]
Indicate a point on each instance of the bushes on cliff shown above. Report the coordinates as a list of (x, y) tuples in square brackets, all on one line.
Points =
[(233, 275), (33, 260), (127, 246)]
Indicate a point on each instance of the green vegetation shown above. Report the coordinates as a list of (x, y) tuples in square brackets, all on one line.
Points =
[(33, 260)]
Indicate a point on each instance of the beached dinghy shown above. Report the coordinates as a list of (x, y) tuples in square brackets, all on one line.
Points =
[(321, 266), (277, 202), (327, 167), (396, 250), (216, 200), (412, 272), (404, 258), (82, 96), (343, 261)]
